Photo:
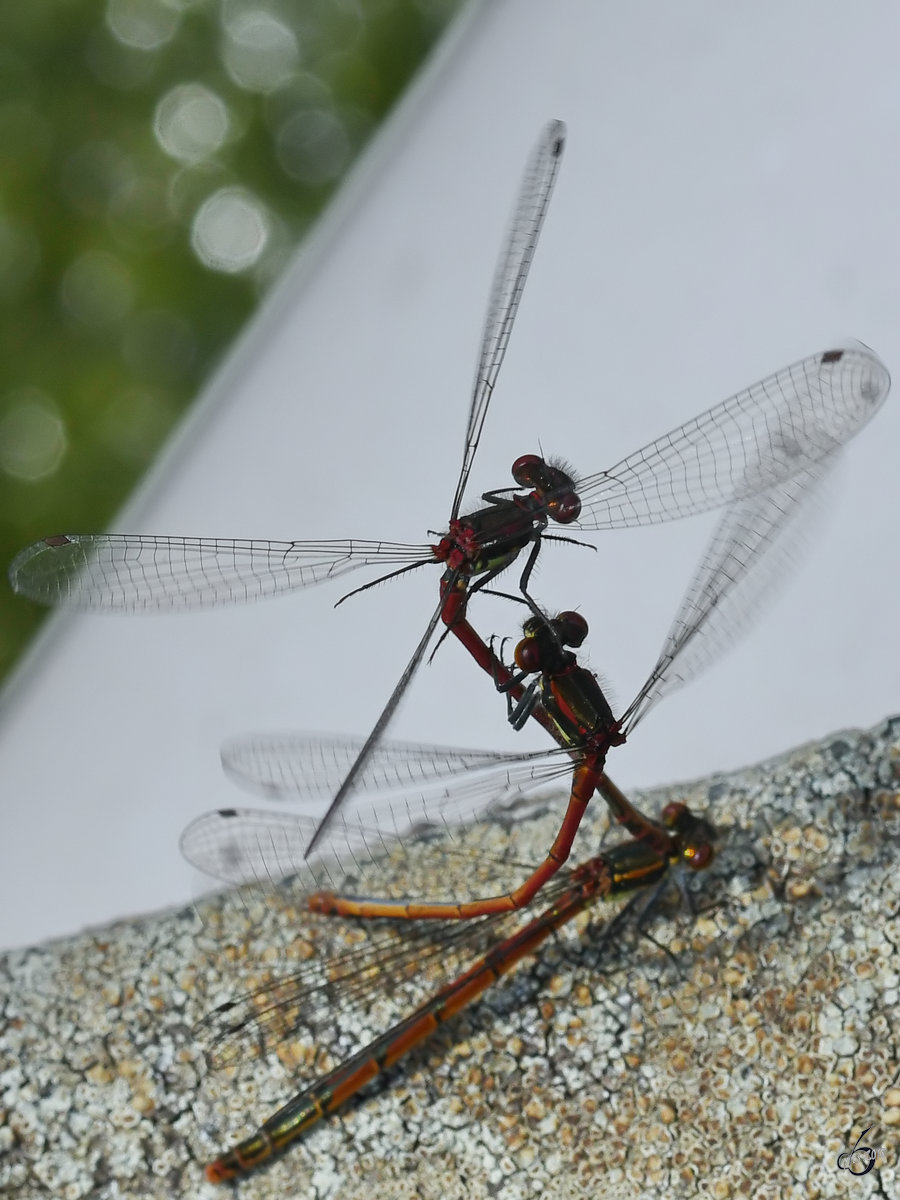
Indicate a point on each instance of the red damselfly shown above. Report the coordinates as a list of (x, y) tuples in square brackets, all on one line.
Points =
[(261, 1019), (407, 789), (417, 790), (756, 439)]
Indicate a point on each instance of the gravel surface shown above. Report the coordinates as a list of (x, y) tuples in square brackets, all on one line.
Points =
[(735, 1051)]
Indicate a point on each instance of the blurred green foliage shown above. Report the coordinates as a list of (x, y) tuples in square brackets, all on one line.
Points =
[(159, 160)]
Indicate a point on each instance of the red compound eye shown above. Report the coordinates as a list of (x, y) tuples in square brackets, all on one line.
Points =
[(565, 509), (672, 813), (528, 470), (698, 857), (528, 656), (572, 628)]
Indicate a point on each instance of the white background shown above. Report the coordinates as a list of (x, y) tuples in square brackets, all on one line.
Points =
[(728, 203)]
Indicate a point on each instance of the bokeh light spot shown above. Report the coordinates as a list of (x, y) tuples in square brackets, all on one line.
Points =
[(313, 146), (230, 230), (191, 122), (97, 288), (190, 185), (32, 435), (143, 24), (304, 90), (260, 52)]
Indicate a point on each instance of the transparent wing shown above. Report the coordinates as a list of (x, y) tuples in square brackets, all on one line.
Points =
[(764, 435), (308, 768), (343, 797), (350, 980), (751, 552), (138, 573), (322, 1003), (347, 976), (509, 283), (384, 834)]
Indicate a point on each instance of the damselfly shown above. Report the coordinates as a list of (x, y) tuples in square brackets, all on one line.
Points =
[(259, 1020), (754, 440), (408, 789)]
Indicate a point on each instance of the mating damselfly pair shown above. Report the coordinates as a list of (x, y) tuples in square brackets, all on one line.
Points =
[(759, 455)]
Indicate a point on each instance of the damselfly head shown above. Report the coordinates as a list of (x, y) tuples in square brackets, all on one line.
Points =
[(551, 483), (541, 647), (695, 836)]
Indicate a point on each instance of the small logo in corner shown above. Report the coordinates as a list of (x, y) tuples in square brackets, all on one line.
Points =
[(861, 1159)]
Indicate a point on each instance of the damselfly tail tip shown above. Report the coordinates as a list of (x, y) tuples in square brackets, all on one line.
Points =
[(220, 1171), (243, 1158)]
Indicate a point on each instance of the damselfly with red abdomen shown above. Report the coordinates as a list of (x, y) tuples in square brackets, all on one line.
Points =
[(408, 790), (754, 440), (415, 790), (261, 1019)]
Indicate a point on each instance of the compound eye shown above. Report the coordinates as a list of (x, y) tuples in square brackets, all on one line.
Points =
[(673, 813), (528, 470), (565, 509), (572, 628), (528, 656), (698, 857)]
